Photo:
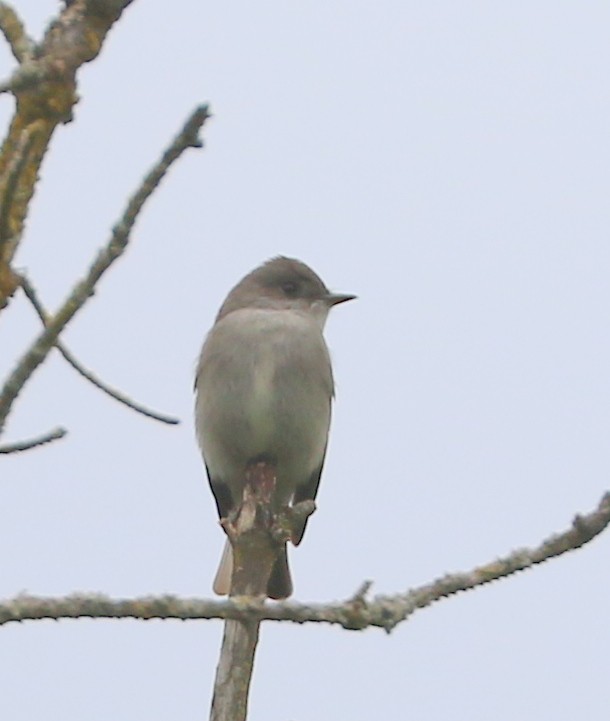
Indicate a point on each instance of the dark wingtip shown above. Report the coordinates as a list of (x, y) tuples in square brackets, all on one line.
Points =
[(280, 582)]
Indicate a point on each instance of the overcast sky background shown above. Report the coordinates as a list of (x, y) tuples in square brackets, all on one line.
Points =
[(448, 162)]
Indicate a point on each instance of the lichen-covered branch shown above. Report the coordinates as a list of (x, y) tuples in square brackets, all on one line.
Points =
[(44, 85), (9, 181), (14, 32), (357, 612), (35, 355)]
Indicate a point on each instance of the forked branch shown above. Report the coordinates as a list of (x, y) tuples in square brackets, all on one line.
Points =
[(116, 245)]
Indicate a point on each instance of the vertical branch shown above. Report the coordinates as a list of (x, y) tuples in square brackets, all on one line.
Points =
[(44, 87), (8, 185), (258, 535), (234, 672), (254, 553)]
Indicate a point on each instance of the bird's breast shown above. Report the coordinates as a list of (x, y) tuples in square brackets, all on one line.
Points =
[(261, 396), (264, 386)]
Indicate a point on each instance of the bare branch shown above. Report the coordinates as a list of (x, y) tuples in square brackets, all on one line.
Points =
[(362, 592), (27, 75), (19, 446), (257, 536), (14, 32), (8, 185), (114, 393), (44, 86), (27, 364), (234, 671), (32, 296), (356, 613), (187, 138), (69, 42), (106, 7)]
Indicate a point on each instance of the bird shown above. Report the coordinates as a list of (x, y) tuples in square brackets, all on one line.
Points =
[(264, 388)]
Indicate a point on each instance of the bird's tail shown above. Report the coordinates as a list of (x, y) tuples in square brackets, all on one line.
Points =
[(279, 585), (222, 581)]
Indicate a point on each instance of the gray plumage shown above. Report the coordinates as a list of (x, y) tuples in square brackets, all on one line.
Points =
[(264, 389)]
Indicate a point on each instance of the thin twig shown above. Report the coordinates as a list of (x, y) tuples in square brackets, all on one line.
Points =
[(35, 355), (384, 612), (362, 592), (119, 396), (19, 446), (14, 32)]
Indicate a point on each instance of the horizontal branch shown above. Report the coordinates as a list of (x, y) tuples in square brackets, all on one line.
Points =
[(38, 351), (355, 613), (41, 440)]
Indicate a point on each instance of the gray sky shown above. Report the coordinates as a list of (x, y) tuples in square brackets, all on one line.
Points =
[(448, 162)]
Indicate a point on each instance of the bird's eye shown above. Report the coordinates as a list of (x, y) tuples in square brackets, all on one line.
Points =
[(290, 288)]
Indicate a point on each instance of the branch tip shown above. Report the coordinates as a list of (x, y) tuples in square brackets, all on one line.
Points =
[(88, 375), (18, 446), (362, 592)]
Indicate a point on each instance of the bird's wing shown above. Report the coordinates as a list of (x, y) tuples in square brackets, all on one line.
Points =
[(307, 492), (222, 495)]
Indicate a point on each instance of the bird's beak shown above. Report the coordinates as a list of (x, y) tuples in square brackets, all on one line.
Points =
[(336, 298)]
